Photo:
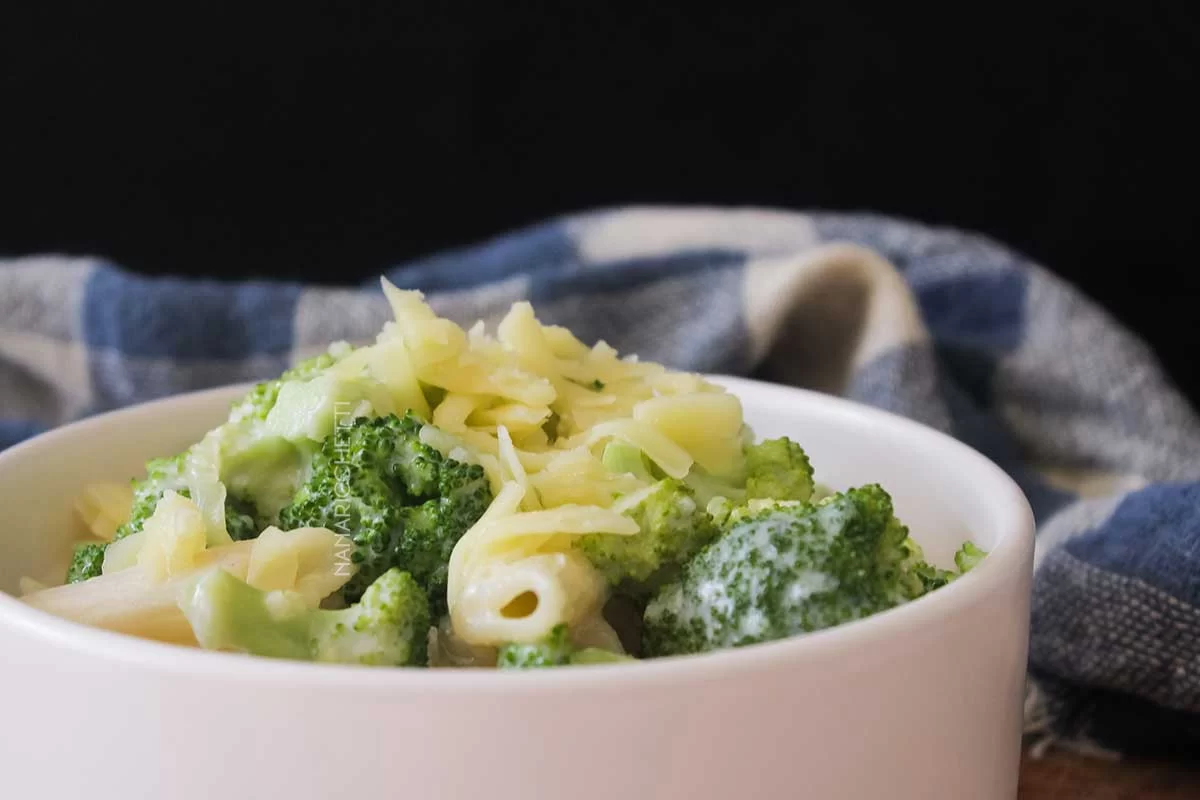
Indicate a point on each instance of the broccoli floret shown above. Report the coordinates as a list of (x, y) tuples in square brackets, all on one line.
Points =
[(708, 488), (270, 437), (784, 569), (673, 529), (775, 469), (162, 474), (913, 575), (967, 557), (901, 564), (778, 469), (555, 650), (389, 626), (402, 502), (929, 578), (261, 399), (241, 519), (258, 403), (86, 562)]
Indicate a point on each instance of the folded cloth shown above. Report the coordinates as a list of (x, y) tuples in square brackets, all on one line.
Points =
[(942, 326)]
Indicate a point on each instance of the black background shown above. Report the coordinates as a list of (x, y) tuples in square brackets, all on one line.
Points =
[(327, 141)]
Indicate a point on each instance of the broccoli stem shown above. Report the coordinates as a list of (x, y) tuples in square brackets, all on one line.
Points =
[(387, 627)]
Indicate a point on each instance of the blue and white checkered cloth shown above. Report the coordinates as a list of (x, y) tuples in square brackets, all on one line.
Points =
[(948, 328)]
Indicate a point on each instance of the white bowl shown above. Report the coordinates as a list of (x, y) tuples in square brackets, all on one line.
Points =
[(922, 701)]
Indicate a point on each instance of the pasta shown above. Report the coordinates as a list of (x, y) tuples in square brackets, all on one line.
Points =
[(104, 507), (514, 576)]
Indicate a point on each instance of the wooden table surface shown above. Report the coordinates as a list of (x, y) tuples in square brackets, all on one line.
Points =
[(1064, 776)]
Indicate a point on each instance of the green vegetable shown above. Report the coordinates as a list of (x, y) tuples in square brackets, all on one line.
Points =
[(267, 468), (86, 562), (775, 469), (902, 566), (555, 650), (162, 474), (261, 399), (266, 446), (917, 577), (389, 626), (778, 469), (241, 519), (401, 501), (782, 569), (707, 488), (259, 468), (967, 557), (673, 529)]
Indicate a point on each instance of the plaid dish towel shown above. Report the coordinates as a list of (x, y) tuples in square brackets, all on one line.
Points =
[(947, 328)]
